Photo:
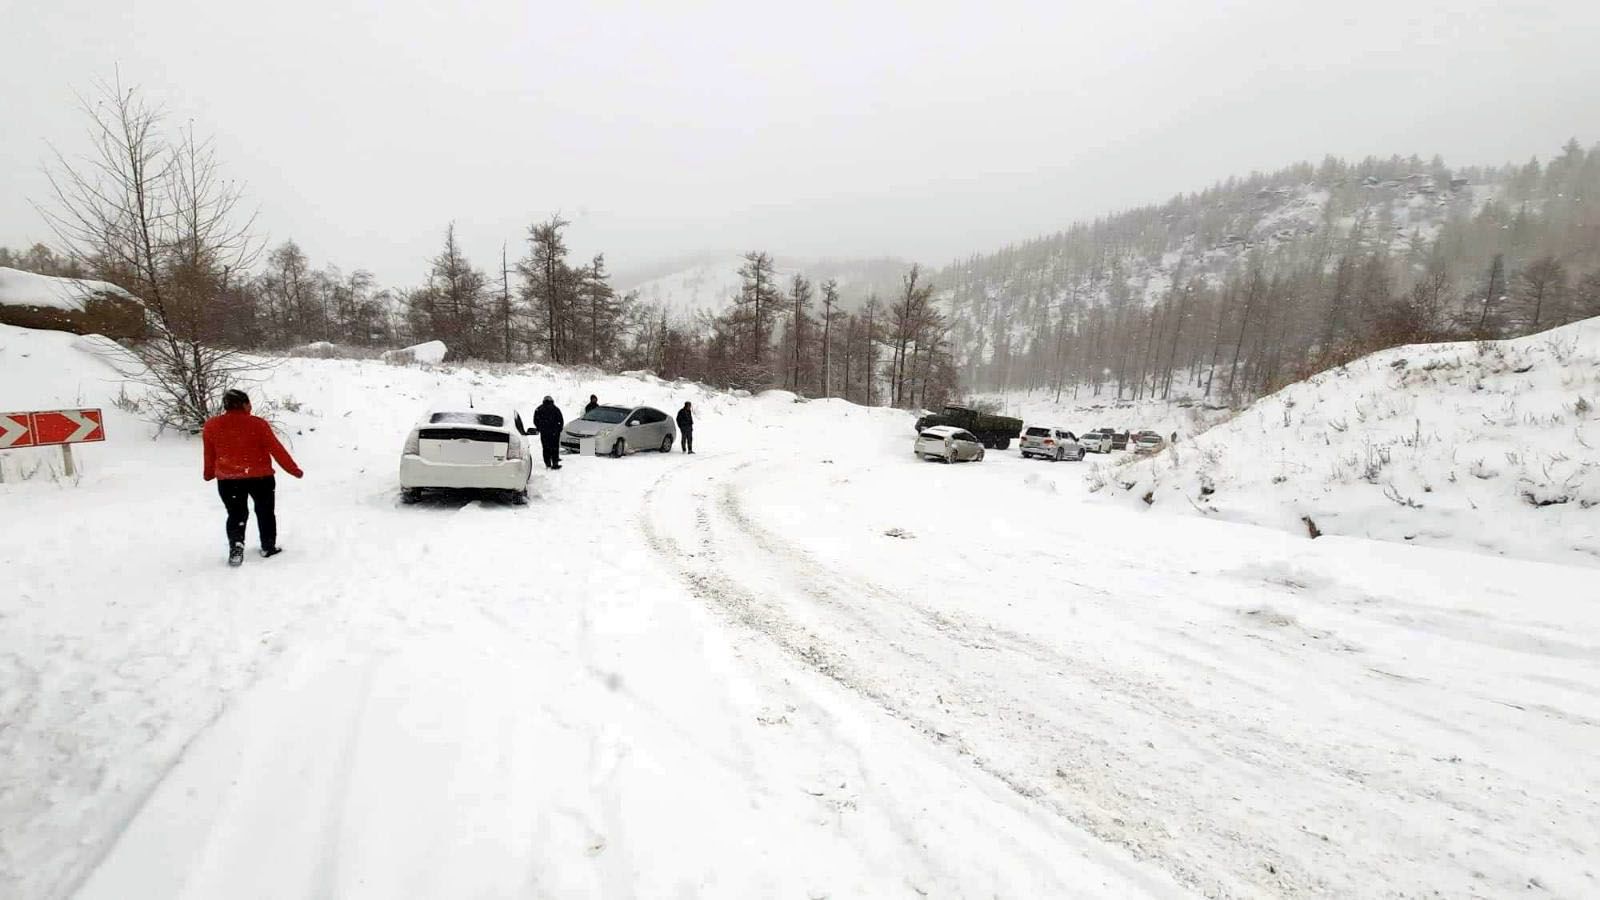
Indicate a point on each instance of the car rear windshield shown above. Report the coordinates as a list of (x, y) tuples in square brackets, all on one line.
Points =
[(467, 418), (607, 415), (1037, 432), (932, 436)]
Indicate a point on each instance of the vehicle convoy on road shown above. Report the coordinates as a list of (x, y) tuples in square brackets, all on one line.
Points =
[(993, 432), (1046, 442), (620, 430), (948, 443), (470, 449)]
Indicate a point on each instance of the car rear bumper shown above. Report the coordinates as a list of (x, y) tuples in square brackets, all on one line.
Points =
[(510, 475)]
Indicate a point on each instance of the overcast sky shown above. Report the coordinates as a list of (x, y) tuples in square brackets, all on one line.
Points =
[(925, 130)]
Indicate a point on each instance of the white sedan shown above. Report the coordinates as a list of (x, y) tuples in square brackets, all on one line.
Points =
[(471, 449)]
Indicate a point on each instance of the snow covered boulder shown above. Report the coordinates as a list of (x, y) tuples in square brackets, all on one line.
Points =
[(1489, 446), (78, 305), (431, 353)]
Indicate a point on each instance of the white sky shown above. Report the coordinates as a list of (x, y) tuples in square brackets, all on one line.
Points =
[(926, 130)]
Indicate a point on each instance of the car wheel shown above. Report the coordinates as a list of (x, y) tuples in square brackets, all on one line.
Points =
[(949, 456), (619, 448), (409, 496), (979, 457), (519, 498), (1080, 454), (666, 444)]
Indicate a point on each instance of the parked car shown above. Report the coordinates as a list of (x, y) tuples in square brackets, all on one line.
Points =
[(471, 449), (1050, 443), (994, 432), (1147, 442), (620, 430), (1097, 441), (949, 443), (1119, 439)]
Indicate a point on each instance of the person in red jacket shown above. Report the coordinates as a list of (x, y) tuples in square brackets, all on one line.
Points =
[(239, 449)]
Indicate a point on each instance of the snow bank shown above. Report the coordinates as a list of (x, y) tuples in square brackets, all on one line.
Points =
[(1492, 446), (432, 353), (19, 288)]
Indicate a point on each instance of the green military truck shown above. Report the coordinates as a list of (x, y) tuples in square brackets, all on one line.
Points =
[(994, 432)]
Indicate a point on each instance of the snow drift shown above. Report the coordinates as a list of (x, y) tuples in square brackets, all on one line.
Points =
[(430, 353), (19, 288), (1492, 446)]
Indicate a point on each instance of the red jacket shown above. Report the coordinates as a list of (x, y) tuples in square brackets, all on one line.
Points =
[(239, 445)]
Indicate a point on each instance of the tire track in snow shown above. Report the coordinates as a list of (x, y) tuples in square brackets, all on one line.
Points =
[(880, 639)]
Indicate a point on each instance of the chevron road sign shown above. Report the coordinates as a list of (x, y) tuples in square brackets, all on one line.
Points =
[(67, 426), (51, 427), (15, 430)]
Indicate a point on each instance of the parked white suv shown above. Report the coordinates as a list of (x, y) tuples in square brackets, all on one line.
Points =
[(1047, 442), (471, 449)]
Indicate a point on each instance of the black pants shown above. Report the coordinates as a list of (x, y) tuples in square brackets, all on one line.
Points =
[(261, 491), (686, 436), (552, 449)]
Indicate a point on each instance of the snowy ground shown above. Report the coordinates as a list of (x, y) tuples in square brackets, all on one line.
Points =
[(1492, 446), (798, 663)]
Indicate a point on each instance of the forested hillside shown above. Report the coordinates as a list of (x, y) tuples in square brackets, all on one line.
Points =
[(1260, 281)]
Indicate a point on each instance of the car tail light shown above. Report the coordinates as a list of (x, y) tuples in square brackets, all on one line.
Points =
[(1048, 442), (412, 444)]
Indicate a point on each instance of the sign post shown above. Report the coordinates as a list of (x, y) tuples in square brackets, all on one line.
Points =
[(47, 428)]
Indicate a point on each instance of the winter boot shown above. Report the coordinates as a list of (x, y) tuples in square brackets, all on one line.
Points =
[(236, 555), (269, 552)]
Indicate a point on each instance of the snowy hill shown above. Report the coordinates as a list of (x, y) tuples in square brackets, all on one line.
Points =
[(1491, 446), (710, 284), (19, 288)]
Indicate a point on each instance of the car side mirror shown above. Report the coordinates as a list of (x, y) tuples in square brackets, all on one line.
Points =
[(633, 423)]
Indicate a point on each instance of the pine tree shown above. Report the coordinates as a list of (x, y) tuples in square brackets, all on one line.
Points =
[(547, 286), (800, 302)]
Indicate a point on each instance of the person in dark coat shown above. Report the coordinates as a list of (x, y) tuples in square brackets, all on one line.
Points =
[(548, 422), (594, 401), (686, 428), (239, 451)]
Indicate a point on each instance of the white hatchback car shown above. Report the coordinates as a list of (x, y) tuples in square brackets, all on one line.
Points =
[(470, 449), (948, 443)]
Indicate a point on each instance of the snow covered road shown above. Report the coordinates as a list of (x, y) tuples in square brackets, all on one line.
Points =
[(760, 671)]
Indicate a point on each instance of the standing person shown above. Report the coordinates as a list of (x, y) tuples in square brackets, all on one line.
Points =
[(686, 428), (593, 402), (239, 450), (548, 422)]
